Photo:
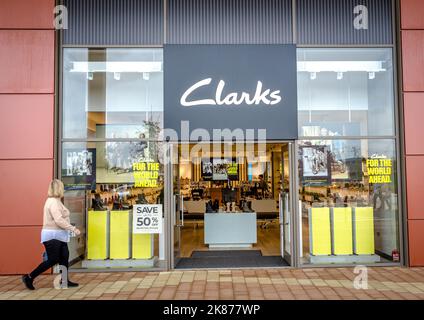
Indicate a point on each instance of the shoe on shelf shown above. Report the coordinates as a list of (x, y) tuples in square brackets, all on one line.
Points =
[(28, 282)]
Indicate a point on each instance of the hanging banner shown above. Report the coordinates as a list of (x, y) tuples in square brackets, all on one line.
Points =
[(147, 218)]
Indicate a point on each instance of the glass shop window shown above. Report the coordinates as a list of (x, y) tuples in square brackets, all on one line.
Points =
[(345, 92), (112, 93), (104, 181), (349, 201)]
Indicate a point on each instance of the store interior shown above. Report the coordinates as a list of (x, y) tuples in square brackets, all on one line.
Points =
[(230, 195)]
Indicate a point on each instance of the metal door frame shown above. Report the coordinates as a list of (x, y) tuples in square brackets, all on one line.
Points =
[(292, 207)]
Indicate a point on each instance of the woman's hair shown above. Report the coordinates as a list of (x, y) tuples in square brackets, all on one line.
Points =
[(56, 189)]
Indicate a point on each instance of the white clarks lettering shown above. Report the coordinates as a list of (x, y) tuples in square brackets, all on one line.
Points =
[(261, 96)]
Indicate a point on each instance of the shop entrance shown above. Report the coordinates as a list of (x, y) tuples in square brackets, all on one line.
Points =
[(232, 205)]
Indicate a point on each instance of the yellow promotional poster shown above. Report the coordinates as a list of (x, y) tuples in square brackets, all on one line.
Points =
[(146, 174), (380, 170), (232, 169)]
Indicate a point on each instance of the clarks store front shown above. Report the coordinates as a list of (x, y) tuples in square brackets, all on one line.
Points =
[(230, 134)]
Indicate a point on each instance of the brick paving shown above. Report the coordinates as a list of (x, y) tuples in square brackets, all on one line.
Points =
[(384, 283)]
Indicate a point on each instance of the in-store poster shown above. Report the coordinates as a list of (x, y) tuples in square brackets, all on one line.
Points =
[(207, 170), (220, 169), (380, 169), (146, 174), (232, 171), (79, 169), (147, 218), (338, 164), (315, 165)]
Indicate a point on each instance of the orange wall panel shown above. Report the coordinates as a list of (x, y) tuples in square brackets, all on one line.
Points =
[(413, 116), (415, 186), (20, 249), (23, 191), (413, 60), (412, 14), (26, 14), (27, 61), (416, 241), (26, 126)]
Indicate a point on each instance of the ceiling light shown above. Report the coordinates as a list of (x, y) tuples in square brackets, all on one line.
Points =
[(146, 76), (117, 66), (340, 66), (90, 76), (339, 75), (117, 76), (371, 75), (313, 75)]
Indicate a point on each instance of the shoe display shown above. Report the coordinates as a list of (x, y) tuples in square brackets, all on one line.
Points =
[(228, 207), (246, 206), (215, 205), (209, 207), (28, 282), (141, 199), (249, 205)]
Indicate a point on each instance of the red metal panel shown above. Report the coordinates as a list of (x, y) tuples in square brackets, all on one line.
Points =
[(415, 186), (414, 113), (27, 61), (413, 60), (416, 241), (26, 14), (26, 126), (20, 249), (23, 191), (412, 14)]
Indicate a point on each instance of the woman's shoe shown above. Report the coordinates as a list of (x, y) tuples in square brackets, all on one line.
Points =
[(72, 284), (28, 282)]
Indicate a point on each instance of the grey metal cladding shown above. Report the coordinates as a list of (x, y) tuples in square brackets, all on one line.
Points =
[(112, 22), (229, 22), (331, 22)]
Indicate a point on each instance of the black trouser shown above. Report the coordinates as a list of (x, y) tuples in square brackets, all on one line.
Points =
[(57, 252)]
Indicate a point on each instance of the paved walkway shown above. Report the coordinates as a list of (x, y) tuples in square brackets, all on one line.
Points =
[(322, 283)]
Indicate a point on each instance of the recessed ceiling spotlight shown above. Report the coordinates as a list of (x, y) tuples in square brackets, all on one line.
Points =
[(339, 75), (146, 75), (117, 76), (313, 75), (371, 75), (90, 76)]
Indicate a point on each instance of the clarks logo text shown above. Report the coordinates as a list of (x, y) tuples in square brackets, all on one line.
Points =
[(266, 97)]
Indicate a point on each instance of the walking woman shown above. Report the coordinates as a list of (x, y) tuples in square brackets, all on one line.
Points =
[(54, 235)]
